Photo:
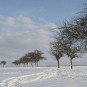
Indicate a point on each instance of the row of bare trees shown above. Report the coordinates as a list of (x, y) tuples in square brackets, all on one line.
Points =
[(31, 57), (71, 39)]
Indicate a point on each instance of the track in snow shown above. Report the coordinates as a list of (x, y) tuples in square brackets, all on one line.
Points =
[(15, 81)]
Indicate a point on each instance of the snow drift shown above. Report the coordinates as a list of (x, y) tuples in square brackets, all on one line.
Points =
[(43, 74)]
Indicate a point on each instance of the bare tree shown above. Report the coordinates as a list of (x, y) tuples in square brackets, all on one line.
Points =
[(66, 42), (35, 57), (38, 56), (25, 60), (28, 58), (3, 63), (16, 62), (56, 51)]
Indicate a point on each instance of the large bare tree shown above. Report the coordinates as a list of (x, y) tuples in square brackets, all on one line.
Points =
[(56, 51)]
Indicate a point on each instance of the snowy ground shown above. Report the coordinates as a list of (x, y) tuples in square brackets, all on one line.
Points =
[(43, 77)]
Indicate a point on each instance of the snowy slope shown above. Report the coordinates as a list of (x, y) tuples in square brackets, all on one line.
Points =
[(43, 77)]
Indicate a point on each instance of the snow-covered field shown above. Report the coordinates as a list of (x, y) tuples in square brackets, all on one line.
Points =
[(43, 77)]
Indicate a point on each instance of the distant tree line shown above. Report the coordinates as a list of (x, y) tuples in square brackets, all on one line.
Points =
[(31, 57), (71, 38)]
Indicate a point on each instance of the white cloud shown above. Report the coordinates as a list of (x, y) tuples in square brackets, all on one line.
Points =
[(26, 21), (22, 35), (7, 23)]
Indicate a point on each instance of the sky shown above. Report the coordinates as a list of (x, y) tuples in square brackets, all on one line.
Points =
[(25, 25)]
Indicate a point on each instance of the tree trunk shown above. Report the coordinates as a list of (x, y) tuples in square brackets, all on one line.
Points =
[(27, 64), (37, 64), (58, 63), (3, 65), (24, 65), (31, 64), (71, 63)]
